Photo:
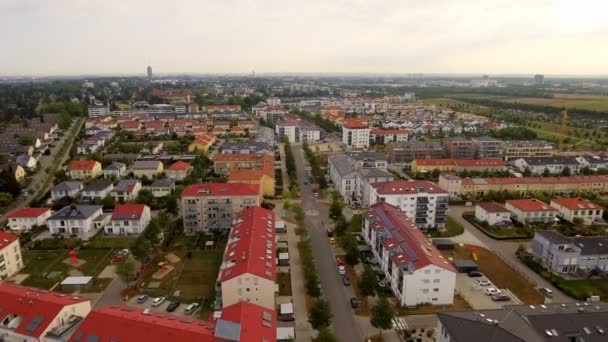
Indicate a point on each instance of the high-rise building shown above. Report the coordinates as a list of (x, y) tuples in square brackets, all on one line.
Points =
[(539, 79), (149, 72)]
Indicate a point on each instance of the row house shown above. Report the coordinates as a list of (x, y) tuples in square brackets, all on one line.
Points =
[(25, 219), (126, 190), (66, 189), (569, 255), (202, 143), (385, 136), (96, 190), (594, 163), (11, 261), (147, 168), (178, 170), (572, 209), (84, 169), (128, 219), (554, 165), (527, 211), (492, 213), (459, 148), (82, 221)]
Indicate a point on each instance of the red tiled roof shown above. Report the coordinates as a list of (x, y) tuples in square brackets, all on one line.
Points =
[(402, 231), (82, 165), (28, 212), (128, 212), (434, 162), (575, 203), (254, 251), (221, 189), (126, 324), (6, 239), (179, 166), (493, 207), (354, 123), (235, 157), (30, 303), (536, 180), (251, 318), (245, 174), (527, 204), (406, 187), (479, 162)]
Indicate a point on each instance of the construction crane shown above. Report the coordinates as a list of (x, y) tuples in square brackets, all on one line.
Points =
[(563, 129)]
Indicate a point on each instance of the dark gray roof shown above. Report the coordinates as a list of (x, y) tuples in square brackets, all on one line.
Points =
[(98, 185), (145, 164), (552, 161), (342, 164), (76, 212), (228, 330), (554, 236), (126, 185), (163, 183), (443, 242), (67, 186), (374, 173), (592, 245), (465, 330), (593, 160), (115, 166), (366, 156), (464, 262), (243, 145)]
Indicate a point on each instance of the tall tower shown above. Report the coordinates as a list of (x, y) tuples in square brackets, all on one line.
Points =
[(149, 73)]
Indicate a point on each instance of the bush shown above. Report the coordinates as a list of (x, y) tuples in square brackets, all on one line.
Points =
[(57, 243)]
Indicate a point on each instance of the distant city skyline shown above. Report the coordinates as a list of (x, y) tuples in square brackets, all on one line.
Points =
[(123, 37)]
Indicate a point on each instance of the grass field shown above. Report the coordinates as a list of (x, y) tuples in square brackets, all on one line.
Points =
[(578, 101), (452, 228)]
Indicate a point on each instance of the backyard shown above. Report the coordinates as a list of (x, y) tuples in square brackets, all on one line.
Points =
[(452, 228)]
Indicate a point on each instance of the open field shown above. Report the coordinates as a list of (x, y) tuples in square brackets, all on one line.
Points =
[(578, 101)]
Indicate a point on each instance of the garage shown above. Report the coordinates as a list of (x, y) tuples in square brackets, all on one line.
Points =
[(465, 266), (443, 244)]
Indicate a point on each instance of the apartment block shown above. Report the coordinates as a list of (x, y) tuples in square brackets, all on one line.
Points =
[(564, 255), (459, 148), (406, 152), (527, 149)]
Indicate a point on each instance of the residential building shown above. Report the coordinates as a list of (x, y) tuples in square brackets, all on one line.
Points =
[(202, 143), (527, 149), (405, 152), (570, 255), (355, 133), (96, 190), (526, 323), (385, 136), (416, 271), (97, 110), (15, 170), (115, 170), (492, 213), (423, 202), (224, 164), (65, 189), (126, 190), (148, 168), (128, 219), (459, 147), (430, 165), (297, 131), (178, 170), (162, 187), (477, 187), (84, 169), (527, 211), (577, 208), (10, 257), (594, 163), (76, 220), (31, 314), (554, 165), (25, 219), (27, 162), (212, 206), (248, 270), (265, 180), (479, 165), (487, 147), (272, 115), (246, 147)]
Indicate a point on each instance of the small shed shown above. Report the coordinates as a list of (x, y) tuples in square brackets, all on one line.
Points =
[(465, 265), (280, 227), (443, 244), (285, 334), (71, 284), (209, 245), (286, 312), (283, 259)]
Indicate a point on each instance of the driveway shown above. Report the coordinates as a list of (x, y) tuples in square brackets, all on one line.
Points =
[(344, 322), (504, 249)]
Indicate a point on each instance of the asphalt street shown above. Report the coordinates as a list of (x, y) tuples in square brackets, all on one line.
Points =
[(344, 322)]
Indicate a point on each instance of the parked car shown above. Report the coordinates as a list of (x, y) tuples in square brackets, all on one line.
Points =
[(490, 291), (475, 274), (190, 309), (483, 282), (346, 281), (117, 259), (354, 303), (332, 240), (158, 301), (124, 252), (142, 298), (547, 292), (341, 270), (500, 297), (330, 233), (172, 306)]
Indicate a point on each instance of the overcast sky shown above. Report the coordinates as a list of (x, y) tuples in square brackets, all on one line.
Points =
[(68, 37)]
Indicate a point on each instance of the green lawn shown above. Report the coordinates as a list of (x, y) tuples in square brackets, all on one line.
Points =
[(584, 288), (452, 228), (110, 243)]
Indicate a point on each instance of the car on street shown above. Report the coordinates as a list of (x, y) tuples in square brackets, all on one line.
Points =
[(332, 240), (330, 233), (547, 292), (475, 274), (117, 259), (346, 281), (158, 301), (490, 291), (172, 306), (305, 182), (354, 303), (142, 298), (190, 309), (500, 297), (341, 270), (483, 282)]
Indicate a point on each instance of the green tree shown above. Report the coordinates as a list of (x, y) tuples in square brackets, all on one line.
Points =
[(5, 199), (566, 172), (546, 172), (25, 140), (368, 281), (335, 209), (145, 197), (320, 314), (325, 335), (108, 202), (125, 270), (8, 182), (527, 172), (382, 315)]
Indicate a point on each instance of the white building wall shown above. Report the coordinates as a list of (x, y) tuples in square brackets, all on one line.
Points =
[(430, 284)]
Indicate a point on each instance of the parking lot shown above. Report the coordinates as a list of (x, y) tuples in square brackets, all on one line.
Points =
[(474, 294), (163, 307)]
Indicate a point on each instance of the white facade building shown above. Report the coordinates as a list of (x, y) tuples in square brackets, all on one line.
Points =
[(128, 219), (416, 271), (531, 211), (77, 220), (25, 219), (298, 131), (355, 133), (492, 213), (578, 208)]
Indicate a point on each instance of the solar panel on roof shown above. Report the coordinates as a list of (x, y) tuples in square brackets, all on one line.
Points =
[(34, 323), (266, 316), (382, 216), (93, 338), (408, 250)]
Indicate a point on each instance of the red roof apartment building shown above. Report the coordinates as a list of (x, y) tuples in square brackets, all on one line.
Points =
[(209, 206), (248, 271)]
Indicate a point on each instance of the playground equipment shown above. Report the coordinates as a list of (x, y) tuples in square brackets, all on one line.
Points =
[(473, 252), (73, 256)]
